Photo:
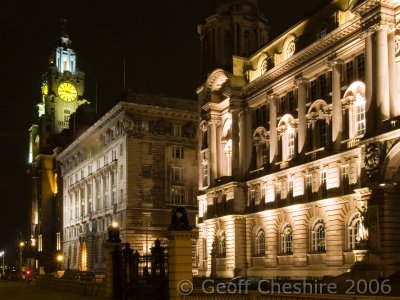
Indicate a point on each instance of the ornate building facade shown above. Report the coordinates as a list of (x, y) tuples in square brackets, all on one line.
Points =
[(299, 149), (62, 90), (132, 166)]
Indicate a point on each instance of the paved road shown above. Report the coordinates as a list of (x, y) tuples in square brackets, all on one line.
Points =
[(10, 290)]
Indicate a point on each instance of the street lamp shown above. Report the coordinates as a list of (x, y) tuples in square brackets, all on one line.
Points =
[(60, 259), (21, 246), (2, 254)]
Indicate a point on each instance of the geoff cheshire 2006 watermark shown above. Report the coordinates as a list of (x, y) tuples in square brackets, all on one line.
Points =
[(267, 286)]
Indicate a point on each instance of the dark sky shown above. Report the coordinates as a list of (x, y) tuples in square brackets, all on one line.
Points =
[(157, 38)]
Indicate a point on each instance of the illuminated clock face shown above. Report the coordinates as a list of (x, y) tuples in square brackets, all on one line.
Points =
[(67, 92)]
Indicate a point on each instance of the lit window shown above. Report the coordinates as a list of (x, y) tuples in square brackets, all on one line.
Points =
[(205, 174), (264, 154), (252, 197), (318, 237), (352, 232), (58, 243), (178, 195), (259, 246), (263, 193), (287, 240), (360, 118), (222, 245), (288, 146)]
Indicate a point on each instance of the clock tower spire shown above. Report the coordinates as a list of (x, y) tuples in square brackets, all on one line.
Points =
[(62, 86)]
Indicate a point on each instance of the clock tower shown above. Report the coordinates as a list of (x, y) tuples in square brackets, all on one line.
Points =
[(61, 94), (62, 86)]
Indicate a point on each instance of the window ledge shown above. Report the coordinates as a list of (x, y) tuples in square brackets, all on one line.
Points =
[(315, 151)]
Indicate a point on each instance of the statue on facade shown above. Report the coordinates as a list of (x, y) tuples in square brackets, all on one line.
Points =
[(362, 230), (179, 219), (372, 158)]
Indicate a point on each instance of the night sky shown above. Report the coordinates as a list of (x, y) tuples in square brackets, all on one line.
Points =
[(157, 39)]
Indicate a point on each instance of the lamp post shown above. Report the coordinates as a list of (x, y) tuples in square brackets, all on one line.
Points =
[(2, 253), (21, 246), (60, 259)]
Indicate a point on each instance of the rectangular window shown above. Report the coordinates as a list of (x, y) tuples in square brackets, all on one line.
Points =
[(361, 67), (282, 105), (58, 243), (121, 149), (145, 126), (121, 172), (147, 196), (360, 119), (177, 130), (105, 159), (290, 145), (291, 101), (313, 90), (322, 134), (89, 169), (205, 175), (178, 195), (176, 175), (264, 154), (349, 72), (263, 193), (146, 171), (252, 197), (177, 152), (278, 191), (322, 86)]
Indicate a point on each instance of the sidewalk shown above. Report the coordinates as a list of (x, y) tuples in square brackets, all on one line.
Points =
[(11, 290)]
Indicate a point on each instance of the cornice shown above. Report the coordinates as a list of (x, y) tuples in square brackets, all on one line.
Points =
[(320, 46)]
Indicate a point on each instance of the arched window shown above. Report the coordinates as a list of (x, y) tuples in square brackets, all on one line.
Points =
[(287, 240), (353, 104), (352, 232), (259, 247), (317, 122), (318, 243), (222, 245), (287, 132)]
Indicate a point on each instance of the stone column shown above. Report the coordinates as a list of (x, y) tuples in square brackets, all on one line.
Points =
[(337, 114), (235, 107), (382, 76), (245, 140), (213, 151), (302, 99), (369, 86), (273, 149), (397, 68), (179, 263), (392, 75)]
